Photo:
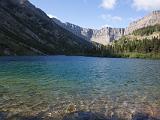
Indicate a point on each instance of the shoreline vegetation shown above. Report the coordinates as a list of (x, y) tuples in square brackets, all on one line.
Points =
[(143, 43), (34, 33), (129, 55), (152, 56)]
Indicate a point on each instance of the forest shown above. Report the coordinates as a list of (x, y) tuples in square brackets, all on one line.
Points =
[(135, 48)]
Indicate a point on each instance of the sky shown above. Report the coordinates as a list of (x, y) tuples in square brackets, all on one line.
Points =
[(97, 13)]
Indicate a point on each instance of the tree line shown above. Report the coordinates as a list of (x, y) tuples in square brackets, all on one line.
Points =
[(146, 48), (147, 30)]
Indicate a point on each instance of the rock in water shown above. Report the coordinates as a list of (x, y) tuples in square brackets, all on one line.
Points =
[(71, 108)]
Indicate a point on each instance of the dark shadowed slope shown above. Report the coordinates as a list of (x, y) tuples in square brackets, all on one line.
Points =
[(27, 30)]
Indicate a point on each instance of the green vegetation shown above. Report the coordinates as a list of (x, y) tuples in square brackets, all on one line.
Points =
[(33, 33), (133, 47), (147, 30), (124, 47)]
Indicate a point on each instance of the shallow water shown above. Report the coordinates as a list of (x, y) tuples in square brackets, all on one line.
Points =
[(51, 84)]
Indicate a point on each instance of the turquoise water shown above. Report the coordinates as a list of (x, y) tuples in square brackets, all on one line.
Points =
[(51, 84)]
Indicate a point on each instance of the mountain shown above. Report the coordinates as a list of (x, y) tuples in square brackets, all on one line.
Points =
[(27, 30), (103, 36), (107, 35), (149, 20)]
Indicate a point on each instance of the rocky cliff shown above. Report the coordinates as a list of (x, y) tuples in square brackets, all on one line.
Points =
[(103, 36), (106, 35), (149, 20), (27, 30)]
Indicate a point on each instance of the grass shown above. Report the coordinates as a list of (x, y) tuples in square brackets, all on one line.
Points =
[(138, 55)]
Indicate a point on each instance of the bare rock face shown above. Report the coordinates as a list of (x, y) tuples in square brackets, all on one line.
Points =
[(107, 35), (149, 20), (103, 36), (77, 30)]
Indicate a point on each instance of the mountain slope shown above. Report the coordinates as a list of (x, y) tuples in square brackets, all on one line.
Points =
[(103, 36), (141, 43), (26, 30), (107, 35), (149, 20)]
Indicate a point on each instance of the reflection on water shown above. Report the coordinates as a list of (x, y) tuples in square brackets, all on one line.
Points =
[(59, 85)]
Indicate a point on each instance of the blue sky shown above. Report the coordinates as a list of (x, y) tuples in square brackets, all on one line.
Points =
[(97, 13)]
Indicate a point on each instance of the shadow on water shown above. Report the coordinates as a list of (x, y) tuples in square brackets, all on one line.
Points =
[(75, 116)]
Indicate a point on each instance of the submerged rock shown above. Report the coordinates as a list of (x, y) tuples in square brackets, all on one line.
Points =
[(71, 108)]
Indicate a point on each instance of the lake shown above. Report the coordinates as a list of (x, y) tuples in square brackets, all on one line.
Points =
[(54, 86)]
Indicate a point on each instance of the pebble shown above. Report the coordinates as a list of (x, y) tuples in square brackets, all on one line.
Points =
[(71, 108), (49, 114)]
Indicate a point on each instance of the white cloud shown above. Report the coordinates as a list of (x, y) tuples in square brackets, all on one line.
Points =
[(146, 4), (52, 16), (109, 17), (131, 19), (108, 4), (106, 25), (103, 16)]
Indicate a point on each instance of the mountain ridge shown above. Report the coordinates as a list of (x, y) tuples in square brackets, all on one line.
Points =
[(149, 20), (27, 30), (107, 35), (102, 36)]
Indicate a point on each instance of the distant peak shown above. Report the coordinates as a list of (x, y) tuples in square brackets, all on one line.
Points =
[(19, 1), (22, 1), (156, 12)]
